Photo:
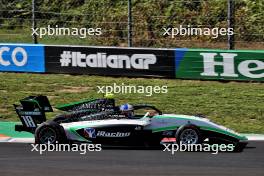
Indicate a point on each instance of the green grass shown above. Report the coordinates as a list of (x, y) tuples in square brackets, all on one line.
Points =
[(237, 105)]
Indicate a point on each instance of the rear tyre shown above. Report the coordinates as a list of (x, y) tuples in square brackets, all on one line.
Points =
[(50, 132)]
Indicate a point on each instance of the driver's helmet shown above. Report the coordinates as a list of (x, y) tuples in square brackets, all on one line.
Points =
[(127, 110)]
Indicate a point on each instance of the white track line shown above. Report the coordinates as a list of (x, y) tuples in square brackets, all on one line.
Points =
[(255, 137), (22, 140), (251, 137), (5, 139), (16, 140)]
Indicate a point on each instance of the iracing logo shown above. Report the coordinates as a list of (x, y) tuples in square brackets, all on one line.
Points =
[(89, 132), (112, 134), (101, 60)]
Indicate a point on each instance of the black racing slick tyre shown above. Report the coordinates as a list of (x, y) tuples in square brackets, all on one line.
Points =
[(188, 134), (50, 132)]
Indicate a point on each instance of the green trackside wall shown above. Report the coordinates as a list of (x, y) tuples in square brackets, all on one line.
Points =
[(244, 65)]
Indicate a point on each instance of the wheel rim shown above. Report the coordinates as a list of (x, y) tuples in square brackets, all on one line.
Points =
[(47, 136), (189, 136)]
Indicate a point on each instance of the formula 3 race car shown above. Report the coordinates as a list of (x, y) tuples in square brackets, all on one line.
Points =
[(100, 121)]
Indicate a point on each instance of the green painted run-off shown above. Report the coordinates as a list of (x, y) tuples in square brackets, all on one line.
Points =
[(8, 129)]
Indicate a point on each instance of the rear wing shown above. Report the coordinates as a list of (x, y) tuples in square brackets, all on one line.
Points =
[(31, 112)]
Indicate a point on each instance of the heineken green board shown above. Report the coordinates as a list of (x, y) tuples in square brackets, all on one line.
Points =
[(220, 64)]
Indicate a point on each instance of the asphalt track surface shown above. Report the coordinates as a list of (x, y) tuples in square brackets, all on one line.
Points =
[(17, 159)]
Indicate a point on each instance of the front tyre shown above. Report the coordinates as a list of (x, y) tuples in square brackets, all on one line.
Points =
[(188, 135), (49, 133)]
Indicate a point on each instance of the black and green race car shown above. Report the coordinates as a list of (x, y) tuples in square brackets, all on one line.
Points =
[(100, 121)]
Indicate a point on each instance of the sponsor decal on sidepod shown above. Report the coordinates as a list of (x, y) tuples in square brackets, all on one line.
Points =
[(112, 134), (90, 133)]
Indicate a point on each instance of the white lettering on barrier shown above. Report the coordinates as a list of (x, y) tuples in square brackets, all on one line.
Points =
[(228, 65), (13, 56), (101, 60)]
